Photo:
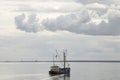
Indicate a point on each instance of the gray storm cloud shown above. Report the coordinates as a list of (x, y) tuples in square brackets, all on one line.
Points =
[(81, 24), (28, 23), (86, 21)]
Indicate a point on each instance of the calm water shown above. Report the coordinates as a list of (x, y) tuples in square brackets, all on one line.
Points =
[(79, 71)]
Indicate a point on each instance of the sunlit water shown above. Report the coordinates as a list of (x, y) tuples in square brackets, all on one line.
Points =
[(79, 71)]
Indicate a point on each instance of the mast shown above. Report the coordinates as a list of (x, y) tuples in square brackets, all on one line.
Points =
[(53, 61), (64, 55)]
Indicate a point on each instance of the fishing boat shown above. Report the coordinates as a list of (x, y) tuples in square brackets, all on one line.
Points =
[(56, 70)]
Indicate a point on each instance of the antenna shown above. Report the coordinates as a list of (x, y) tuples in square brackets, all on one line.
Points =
[(53, 61)]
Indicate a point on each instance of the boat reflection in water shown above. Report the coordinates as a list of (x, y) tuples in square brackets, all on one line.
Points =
[(60, 77)]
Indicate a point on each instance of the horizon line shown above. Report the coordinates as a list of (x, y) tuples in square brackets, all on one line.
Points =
[(112, 61)]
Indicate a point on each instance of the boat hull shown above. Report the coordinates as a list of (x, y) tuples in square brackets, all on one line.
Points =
[(61, 71)]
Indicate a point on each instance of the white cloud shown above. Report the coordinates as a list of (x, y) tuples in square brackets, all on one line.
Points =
[(49, 7), (96, 1)]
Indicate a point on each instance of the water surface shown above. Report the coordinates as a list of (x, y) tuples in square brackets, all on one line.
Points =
[(79, 71)]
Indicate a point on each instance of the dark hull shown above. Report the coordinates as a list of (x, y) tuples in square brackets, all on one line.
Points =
[(53, 72), (62, 71)]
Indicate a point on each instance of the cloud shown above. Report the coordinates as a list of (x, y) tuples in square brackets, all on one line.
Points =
[(82, 23), (66, 22), (52, 7), (95, 1), (42, 46), (100, 9), (44, 0), (110, 28), (28, 24), (92, 19)]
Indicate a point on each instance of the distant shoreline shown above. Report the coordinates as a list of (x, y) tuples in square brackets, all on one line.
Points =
[(97, 61)]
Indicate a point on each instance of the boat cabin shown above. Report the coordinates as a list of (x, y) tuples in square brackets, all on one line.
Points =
[(55, 68)]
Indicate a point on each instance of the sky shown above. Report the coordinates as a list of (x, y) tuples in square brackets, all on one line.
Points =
[(34, 29)]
